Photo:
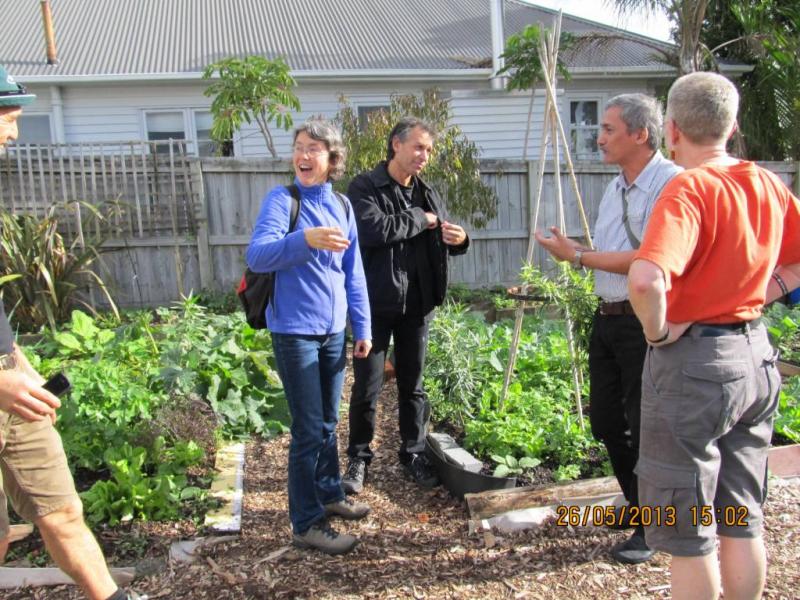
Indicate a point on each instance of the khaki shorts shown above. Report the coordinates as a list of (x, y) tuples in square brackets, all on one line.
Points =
[(33, 470), (708, 402)]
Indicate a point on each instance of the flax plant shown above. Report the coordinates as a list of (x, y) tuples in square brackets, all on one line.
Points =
[(42, 275)]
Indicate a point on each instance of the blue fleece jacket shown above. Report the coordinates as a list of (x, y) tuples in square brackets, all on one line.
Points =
[(314, 289)]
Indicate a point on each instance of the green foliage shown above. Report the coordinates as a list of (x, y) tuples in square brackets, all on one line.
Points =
[(521, 57), (463, 378), (766, 34), (250, 89), (787, 421), (569, 289), (763, 33), (508, 465), (567, 472), (42, 276), (454, 168), (144, 485), (134, 384), (783, 324)]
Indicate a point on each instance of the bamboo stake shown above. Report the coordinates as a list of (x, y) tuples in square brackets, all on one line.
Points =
[(551, 52), (519, 313), (571, 168)]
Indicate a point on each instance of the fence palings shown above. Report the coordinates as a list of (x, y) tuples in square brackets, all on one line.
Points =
[(151, 181)]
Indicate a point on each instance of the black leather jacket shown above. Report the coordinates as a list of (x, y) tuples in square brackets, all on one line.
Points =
[(384, 226)]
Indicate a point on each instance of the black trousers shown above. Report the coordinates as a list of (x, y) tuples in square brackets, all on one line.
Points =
[(617, 351), (410, 345)]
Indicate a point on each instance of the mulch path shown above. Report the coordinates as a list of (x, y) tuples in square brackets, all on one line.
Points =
[(416, 544)]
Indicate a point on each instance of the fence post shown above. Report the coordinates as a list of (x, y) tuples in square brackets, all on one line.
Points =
[(797, 179), (203, 245)]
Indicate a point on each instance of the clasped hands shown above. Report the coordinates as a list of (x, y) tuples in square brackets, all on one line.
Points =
[(452, 234)]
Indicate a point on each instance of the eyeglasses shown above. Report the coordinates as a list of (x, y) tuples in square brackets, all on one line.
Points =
[(312, 151)]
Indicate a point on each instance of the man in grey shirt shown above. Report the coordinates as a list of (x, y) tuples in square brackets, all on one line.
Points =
[(630, 135)]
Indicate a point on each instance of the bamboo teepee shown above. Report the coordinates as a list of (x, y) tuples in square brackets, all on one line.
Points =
[(553, 136)]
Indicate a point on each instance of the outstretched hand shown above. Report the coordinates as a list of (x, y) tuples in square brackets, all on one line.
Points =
[(558, 245), (326, 238)]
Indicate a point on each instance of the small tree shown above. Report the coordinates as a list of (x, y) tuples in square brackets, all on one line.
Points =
[(524, 67), (250, 89), (454, 168)]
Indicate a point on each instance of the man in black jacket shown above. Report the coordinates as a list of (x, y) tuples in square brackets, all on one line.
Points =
[(405, 242)]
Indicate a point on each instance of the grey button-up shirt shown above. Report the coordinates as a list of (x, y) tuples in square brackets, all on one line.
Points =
[(609, 232)]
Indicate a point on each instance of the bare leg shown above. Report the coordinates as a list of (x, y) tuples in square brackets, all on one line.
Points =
[(743, 562), (695, 577), (3, 549), (76, 552)]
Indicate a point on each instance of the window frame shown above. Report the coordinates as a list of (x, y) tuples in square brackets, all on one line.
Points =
[(600, 99)]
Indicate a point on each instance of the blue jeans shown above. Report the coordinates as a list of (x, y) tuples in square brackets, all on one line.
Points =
[(311, 368)]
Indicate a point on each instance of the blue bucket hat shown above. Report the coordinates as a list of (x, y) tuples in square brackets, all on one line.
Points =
[(11, 92)]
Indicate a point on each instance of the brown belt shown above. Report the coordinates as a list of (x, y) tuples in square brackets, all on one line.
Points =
[(623, 307)]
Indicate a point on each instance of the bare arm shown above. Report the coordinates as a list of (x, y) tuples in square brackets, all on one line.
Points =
[(563, 248), (791, 278), (647, 290)]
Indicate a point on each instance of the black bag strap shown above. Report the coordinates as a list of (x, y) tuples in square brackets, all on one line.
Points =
[(294, 191), (631, 237), (297, 199)]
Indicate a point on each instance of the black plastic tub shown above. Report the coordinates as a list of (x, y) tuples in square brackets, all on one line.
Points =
[(458, 481)]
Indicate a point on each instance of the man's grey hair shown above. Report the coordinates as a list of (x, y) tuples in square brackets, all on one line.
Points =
[(403, 128), (703, 106), (324, 131), (640, 111)]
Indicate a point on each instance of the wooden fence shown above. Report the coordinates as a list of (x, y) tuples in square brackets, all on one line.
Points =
[(187, 221)]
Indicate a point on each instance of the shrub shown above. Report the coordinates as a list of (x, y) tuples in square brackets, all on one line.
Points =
[(43, 277)]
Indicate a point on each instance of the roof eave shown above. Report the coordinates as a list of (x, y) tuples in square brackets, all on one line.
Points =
[(376, 75), (665, 71), (354, 75)]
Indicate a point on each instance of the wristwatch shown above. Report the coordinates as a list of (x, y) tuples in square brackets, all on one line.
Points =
[(576, 260)]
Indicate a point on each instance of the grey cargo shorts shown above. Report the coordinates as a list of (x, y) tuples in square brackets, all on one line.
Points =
[(708, 402)]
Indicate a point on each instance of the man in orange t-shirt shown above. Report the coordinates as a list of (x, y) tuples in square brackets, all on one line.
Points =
[(723, 239)]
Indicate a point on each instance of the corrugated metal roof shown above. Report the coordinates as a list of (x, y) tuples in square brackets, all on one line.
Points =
[(124, 38)]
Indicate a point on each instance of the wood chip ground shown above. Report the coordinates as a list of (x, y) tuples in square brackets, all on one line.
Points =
[(415, 544)]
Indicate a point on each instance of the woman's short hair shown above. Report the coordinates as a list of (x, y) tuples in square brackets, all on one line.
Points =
[(324, 131), (403, 128), (703, 106), (640, 111)]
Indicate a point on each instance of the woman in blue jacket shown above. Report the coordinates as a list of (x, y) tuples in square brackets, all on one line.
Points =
[(319, 279)]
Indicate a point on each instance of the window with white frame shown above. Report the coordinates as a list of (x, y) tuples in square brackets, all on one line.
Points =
[(34, 129), (584, 127), (203, 120), (164, 126)]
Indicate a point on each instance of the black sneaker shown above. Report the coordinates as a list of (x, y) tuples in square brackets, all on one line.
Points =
[(419, 468), (353, 479), (632, 551)]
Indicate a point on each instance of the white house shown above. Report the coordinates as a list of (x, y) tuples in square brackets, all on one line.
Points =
[(131, 70)]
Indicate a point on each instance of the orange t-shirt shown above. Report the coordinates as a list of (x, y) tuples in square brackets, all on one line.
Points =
[(718, 232)]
